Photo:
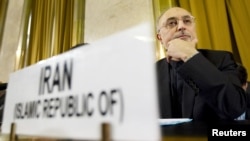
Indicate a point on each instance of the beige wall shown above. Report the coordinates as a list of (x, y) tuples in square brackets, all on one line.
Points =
[(105, 17), (102, 18)]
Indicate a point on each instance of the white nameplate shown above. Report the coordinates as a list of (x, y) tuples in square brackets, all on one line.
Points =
[(72, 94)]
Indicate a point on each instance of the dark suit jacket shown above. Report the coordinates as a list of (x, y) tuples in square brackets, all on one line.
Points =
[(211, 88)]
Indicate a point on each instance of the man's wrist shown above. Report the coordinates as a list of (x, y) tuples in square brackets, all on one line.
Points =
[(187, 57)]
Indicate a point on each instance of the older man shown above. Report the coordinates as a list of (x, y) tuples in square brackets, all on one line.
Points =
[(197, 84)]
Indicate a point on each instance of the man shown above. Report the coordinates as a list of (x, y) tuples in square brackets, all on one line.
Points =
[(197, 84), (242, 73)]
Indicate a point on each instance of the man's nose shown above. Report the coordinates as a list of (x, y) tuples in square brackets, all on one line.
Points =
[(181, 25)]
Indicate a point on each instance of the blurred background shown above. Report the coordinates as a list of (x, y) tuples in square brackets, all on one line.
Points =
[(33, 30)]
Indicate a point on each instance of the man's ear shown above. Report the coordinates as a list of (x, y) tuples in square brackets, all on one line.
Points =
[(158, 37), (244, 86)]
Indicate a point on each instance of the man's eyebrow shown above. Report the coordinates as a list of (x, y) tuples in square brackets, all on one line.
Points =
[(170, 18)]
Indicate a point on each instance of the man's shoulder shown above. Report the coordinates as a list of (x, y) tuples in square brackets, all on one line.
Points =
[(162, 65), (161, 62), (215, 53), (209, 51), (216, 56)]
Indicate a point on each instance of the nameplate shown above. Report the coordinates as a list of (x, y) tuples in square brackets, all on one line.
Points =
[(70, 95)]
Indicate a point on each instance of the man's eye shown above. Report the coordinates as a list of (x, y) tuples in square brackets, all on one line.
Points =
[(187, 21), (172, 23)]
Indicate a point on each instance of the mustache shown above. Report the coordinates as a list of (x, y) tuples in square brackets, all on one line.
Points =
[(180, 34)]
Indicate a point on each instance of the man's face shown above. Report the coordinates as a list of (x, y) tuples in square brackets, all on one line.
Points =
[(176, 23)]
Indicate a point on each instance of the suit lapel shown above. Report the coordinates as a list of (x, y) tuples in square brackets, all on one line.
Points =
[(165, 92)]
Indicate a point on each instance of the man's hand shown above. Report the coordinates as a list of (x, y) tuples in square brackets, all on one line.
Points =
[(178, 50)]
